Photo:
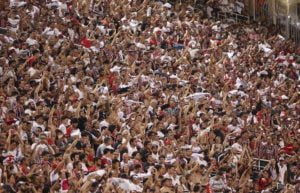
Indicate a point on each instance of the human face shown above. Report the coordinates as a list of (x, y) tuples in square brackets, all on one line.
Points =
[(154, 149), (13, 145), (169, 183), (161, 160), (172, 171)]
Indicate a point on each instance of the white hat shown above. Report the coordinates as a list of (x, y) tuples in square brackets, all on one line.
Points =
[(284, 97), (76, 133), (115, 69), (167, 5), (173, 76)]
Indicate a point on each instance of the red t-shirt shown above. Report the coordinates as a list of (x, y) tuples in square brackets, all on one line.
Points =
[(65, 184), (263, 183), (69, 130), (86, 42), (153, 42)]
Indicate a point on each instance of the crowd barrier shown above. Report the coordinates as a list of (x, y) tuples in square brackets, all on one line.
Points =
[(259, 165), (294, 32), (288, 27), (232, 17)]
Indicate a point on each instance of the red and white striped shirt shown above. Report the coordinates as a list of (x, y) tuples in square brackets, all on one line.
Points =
[(267, 151)]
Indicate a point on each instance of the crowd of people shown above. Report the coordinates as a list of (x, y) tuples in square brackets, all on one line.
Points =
[(119, 96), (225, 6)]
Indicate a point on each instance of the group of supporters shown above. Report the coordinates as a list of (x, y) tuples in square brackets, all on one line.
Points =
[(127, 96)]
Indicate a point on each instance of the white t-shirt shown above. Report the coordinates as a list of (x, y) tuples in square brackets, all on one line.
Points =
[(53, 176), (101, 148), (35, 125), (217, 184), (282, 170), (62, 128), (16, 153), (39, 147), (131, 149), (31, 41), (175, 179)]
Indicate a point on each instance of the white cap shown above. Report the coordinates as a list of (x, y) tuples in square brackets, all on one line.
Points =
[(167, 5)]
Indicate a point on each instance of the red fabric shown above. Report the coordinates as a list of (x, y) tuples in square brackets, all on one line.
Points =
[(86, 43), (259, 116), (288, 149), (208, 189), (24, 169), (167, 142), (69, 130), (31, 59), (263, 183), (90, 157), (50, 141), (9, 120), (65, 184), (54, 166), (153, 42), (105, 161), (111, 79), (267, 120), (92, 168), (9, 159), (266, 151), (112, 82)]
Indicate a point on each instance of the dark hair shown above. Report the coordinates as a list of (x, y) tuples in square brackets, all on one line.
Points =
[(158, 167), (73, 155), (134, 153), (76, 163), (115, 161), (123, 175), (131, 140), (82, 156), (197, 188), (106, 151), (74, 120), (85, 134), (146, 143), (137, 166), (107, 139), (164, 180), (111, 128)]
